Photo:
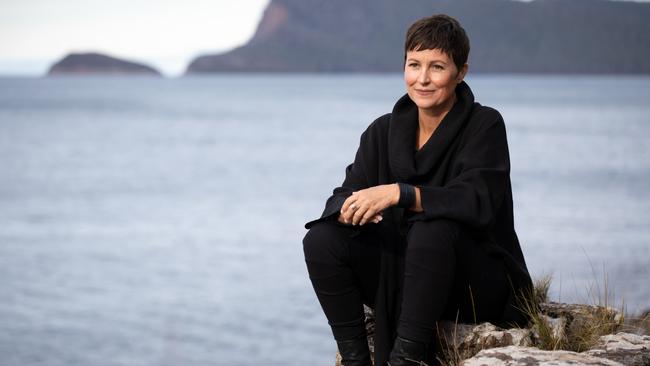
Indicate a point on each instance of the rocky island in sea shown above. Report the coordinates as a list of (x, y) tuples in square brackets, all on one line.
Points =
[(542, 36), (98, 64)]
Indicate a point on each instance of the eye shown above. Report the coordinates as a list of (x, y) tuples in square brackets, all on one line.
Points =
[(438, 67), (413, 64)]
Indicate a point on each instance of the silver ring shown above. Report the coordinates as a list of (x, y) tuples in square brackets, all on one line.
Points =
[(353, 206)]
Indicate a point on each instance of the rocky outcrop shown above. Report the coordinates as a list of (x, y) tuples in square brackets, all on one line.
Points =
[(613, 349), (577, 315), (529, 356), (551, 36), (577, 326), (628, 349), (487, 344), (465, 340), (98, 64)]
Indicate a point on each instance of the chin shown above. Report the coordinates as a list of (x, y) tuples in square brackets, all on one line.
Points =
[(420, 102), (424, 104)]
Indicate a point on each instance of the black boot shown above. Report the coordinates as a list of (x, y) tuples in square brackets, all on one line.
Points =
[(355, 352), (412, 353)]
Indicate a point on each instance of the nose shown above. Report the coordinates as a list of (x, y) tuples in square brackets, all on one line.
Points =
[(423, 77)]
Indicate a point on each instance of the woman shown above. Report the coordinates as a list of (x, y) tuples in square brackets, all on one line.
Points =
[(422, 227)]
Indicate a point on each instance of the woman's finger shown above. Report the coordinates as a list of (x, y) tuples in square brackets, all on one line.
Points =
[(346, 204), (347, 216), (369, 215), (350, 206), (362, 212), (344, 217), (355, 216)]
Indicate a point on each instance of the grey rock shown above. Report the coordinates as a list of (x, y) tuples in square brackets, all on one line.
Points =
[(529, 356), (468, 339), (578, 326), (626, 348), (580, 314)]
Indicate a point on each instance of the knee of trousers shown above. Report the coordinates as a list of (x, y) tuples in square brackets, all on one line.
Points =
[(434, 236), (326, 243)]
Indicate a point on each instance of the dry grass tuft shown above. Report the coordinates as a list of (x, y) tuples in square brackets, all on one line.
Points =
[(541, 287), (638, 324), (450, 352), (548, 336), (575, 332), (558, 326), (606, 318)]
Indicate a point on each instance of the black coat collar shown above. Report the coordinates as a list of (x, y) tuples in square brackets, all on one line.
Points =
[(407, 164)]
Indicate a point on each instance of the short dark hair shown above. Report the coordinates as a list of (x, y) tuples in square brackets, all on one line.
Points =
[(441, 32)]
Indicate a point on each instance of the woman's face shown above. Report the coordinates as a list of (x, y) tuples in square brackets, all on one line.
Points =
[(431, 78)]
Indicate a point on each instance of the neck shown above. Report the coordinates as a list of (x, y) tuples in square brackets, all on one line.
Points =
[(429, 120)]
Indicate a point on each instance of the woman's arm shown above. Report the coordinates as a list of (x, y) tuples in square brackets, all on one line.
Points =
[(473, 196)]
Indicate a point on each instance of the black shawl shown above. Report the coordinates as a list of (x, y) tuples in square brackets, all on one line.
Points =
[(463, 171)]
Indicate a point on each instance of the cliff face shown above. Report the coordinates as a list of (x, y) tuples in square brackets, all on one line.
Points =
[(95, 63), (542, 36)]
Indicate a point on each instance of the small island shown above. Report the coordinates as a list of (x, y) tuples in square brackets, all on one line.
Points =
[(98, 64)]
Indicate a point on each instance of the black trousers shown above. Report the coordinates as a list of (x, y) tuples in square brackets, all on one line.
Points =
[(447, 275)]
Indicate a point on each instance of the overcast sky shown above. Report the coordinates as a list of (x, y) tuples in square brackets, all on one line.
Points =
[(166, 34)]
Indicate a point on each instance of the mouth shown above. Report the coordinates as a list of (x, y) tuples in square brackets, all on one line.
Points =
[(424, 92)]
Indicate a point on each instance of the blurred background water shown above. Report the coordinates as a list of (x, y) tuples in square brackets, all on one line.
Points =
[(159, 221)]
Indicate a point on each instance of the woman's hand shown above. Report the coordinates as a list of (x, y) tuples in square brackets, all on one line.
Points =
[(375, 220), (367, 204)]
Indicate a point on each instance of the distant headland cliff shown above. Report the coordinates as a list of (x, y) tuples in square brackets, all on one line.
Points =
[(98, 64), (540, 36)]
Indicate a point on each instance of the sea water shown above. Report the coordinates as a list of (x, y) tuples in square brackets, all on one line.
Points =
[(150, 221)]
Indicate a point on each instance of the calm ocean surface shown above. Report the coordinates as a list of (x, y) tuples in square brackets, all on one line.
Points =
[(159, 222)]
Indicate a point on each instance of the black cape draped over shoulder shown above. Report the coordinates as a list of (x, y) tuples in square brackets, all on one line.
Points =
[(463, 172)]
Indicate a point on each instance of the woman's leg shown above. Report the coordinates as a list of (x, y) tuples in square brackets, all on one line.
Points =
[(429, 268), (344, 271), (447, 273), (481, 286)]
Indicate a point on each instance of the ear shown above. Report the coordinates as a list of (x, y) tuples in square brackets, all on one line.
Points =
[(461, 73)]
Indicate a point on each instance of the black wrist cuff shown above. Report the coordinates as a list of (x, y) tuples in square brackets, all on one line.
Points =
[(406, 195)]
